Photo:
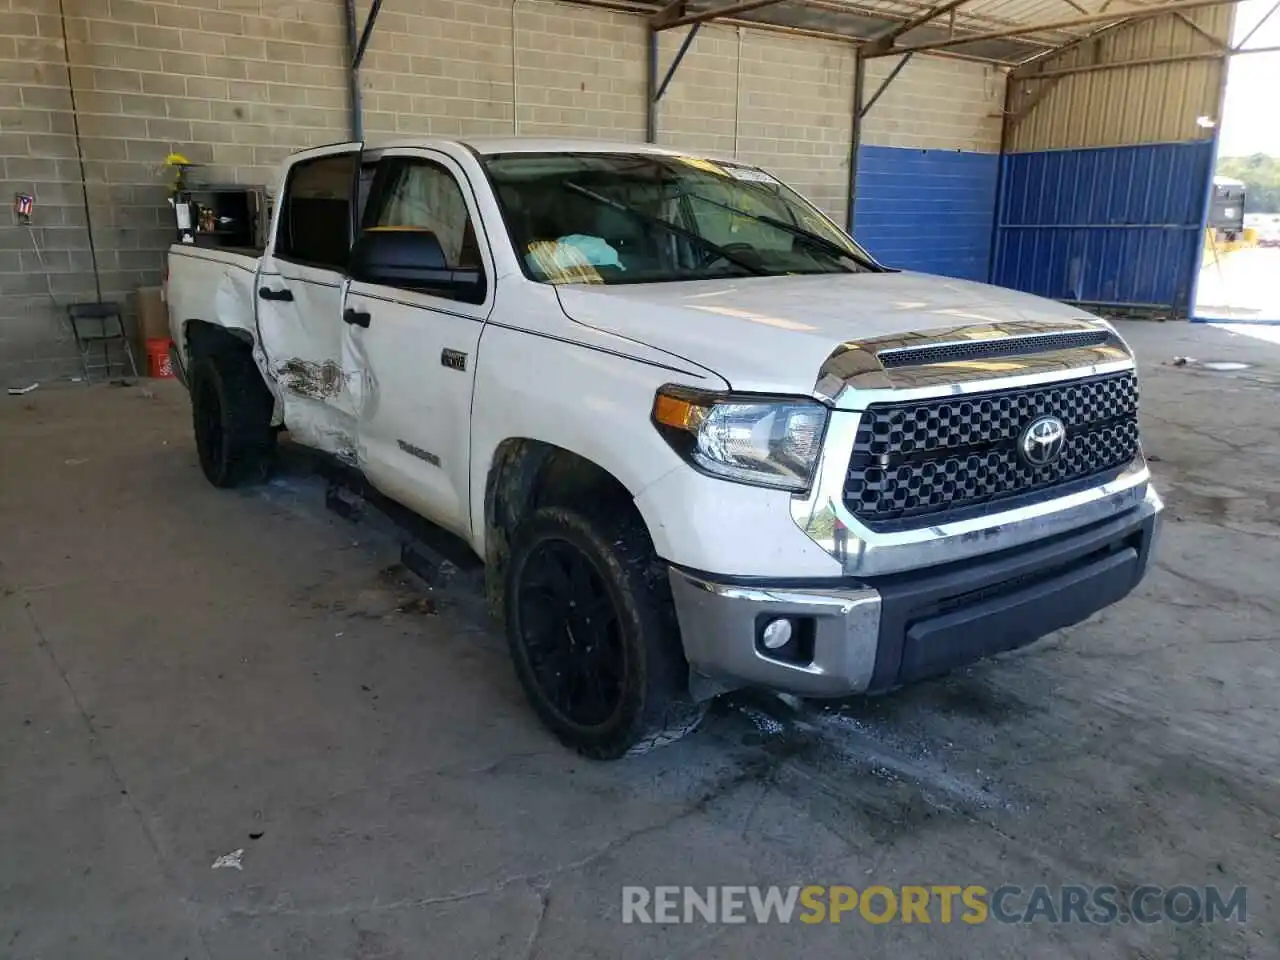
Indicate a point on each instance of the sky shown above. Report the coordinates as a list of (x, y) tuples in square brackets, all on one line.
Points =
[(1250, 120)]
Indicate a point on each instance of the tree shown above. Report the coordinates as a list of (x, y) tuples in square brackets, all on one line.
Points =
[(1260, 174)]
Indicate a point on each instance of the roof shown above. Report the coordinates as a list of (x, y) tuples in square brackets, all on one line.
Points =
[(489, 146), (1039, 25)]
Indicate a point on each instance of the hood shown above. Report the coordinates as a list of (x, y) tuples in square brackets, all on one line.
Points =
[(773, 334)]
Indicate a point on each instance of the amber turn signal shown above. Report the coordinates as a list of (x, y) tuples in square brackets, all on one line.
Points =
[(677, 412)]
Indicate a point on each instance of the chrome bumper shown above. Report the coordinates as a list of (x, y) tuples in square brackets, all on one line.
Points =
[(719, 621), (879, 632)]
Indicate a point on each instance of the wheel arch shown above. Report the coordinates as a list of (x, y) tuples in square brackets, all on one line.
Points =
[(205, 339), (525, 475)]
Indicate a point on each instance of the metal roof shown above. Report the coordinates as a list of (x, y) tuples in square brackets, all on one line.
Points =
[(1026, 28)]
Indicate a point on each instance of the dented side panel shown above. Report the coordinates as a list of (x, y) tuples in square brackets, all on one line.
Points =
[(312, 379), (300, 295), (214, 286), (302, 343)]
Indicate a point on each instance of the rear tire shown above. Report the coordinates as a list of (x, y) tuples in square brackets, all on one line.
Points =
[(231, 411), (593, 634)]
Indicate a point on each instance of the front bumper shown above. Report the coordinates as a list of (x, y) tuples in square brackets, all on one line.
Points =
[(876, 633)]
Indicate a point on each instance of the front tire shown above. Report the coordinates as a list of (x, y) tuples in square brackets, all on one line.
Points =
[(231, 412), (593, 635)]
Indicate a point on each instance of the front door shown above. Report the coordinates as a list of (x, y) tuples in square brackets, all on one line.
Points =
[(416, 348), (300, 290)]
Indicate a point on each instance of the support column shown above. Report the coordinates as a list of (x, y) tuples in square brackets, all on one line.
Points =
[(355, 104), (651, 90), (855, 132), (355, 57)]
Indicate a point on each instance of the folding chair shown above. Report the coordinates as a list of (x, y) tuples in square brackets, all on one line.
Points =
[(99, 323)]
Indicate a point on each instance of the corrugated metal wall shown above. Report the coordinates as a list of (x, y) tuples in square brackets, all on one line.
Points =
[(1106, 172), (1107, 225), (927, 210), (1126, 105), (928, 166)]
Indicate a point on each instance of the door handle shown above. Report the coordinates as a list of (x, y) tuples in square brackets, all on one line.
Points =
[(266, 293), (357, 318)]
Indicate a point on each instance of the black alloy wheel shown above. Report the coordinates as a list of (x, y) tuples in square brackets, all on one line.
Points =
[(231, 415), (207, 411), (571, 632), (593, 633)]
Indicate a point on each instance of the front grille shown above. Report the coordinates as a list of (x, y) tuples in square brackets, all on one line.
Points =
[(952, 455), (990, 349)]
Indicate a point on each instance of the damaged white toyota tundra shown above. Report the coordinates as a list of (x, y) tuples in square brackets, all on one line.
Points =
[(699, 438)]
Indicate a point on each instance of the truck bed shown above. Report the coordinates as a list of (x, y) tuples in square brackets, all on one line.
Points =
[(215, 285)]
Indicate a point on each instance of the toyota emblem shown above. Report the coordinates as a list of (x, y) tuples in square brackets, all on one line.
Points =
[(1042, 441)]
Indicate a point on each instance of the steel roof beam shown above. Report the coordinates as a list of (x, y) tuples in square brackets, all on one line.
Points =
[(1121, 64), (885, 39), (1221, 45), (672, 11), (1147, 62), (676, 61), (703, 16), (1258, 26), (893, 75), (369, 23), (1129, 15), (1024, 69)]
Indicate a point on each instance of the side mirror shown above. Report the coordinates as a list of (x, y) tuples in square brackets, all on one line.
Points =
[(413, 260)]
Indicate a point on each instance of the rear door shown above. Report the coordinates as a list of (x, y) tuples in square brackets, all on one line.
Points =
[(300, 291), (416, 348)]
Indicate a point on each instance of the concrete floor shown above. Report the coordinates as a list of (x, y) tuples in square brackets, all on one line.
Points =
[(1241, 286), (186, 672)]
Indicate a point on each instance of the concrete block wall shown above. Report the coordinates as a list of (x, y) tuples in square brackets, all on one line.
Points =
[(237, 85), (579, 72), (50, 264), (232, 84), (929, 166), (938, 103)]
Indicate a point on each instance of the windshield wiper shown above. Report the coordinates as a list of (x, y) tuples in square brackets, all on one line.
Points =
[(800, 233), (666, 225)]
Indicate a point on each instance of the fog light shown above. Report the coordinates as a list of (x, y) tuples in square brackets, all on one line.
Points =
[(776, 634)]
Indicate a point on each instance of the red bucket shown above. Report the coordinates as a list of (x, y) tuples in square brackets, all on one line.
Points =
[(158, 362)]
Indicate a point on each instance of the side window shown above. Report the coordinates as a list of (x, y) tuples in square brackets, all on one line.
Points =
[(421, 195), (315, 222), (367, 172)]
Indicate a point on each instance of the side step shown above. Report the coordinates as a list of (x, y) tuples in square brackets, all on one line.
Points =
[(428, 551)]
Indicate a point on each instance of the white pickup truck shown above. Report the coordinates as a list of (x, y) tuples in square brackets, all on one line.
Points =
[(700, 439)]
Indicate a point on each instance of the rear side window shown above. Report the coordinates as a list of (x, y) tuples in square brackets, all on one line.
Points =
[(315, 222)]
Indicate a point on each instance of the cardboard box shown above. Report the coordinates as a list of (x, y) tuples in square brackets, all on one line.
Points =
[(153, 317), (150, 321)]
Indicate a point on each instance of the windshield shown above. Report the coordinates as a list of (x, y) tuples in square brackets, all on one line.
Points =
[(645, 218)]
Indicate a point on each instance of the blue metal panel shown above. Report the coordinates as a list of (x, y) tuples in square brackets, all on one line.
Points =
[(927, 210), (1105, 225)]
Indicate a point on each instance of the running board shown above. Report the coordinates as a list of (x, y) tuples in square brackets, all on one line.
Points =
[(424, 546)]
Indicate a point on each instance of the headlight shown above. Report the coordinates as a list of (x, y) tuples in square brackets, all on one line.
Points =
[(765, 441)]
